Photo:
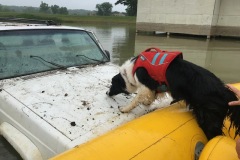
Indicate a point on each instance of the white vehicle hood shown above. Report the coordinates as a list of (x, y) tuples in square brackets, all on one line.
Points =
[(74, 101)]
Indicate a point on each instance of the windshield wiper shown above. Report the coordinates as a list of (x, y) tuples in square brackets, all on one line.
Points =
[(96, 60), (52, 63)]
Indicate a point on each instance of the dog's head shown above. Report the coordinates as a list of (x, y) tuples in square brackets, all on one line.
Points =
[(118, 86)]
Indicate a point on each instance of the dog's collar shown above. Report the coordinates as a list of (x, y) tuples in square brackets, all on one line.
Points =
[(162, 88)]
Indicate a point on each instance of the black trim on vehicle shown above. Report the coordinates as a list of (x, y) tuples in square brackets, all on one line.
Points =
[(29, 21)]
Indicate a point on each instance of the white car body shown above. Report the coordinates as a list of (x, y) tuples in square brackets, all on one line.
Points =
[(53, 111)]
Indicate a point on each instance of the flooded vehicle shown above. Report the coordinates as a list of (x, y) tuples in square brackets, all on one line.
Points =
[(53, 103), (53, 83)]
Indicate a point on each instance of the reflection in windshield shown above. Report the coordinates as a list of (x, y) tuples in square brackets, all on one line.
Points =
[(60, 47)]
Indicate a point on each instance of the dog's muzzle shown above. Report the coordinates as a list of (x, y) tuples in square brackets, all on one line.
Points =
[(107, 93)]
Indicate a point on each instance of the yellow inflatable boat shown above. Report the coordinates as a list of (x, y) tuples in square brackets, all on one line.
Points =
[(171, 133)]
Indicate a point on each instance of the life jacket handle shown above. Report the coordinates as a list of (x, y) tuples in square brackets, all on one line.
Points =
[(153, 48)]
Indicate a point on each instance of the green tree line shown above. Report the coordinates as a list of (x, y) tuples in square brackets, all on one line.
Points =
[(104, 9), (43, 8), (55, 9), (4, 9), (131, 6)]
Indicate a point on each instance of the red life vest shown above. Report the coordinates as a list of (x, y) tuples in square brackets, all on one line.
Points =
[(156, 63)]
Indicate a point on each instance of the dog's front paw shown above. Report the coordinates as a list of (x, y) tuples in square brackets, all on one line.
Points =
[(147, 103), (124, 109)]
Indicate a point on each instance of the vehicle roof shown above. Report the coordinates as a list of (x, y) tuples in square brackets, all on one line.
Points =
[(32, 27), (9, 23)]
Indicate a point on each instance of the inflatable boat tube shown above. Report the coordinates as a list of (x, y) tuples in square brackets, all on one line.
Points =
[(168, 133), (219, 148)]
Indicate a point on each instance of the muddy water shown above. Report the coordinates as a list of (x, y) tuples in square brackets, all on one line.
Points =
[(219, 55)]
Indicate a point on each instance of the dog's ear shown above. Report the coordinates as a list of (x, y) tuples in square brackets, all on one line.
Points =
[(117, 79)]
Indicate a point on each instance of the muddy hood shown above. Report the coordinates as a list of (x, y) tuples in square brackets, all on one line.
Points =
[(74, 101)]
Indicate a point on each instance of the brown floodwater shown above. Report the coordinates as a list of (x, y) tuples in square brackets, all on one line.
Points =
[(220, 55)]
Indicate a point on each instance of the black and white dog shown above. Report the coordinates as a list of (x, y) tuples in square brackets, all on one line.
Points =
[(206, 94)]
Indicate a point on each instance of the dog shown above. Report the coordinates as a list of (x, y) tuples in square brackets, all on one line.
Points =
[(205, 94)]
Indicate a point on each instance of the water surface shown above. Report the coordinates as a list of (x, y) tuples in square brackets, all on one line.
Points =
[(219, 55)]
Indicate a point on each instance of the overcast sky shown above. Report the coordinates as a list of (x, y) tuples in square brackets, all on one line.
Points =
[(70, 4)]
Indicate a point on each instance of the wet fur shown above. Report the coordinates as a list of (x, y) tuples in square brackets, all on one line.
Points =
[(202, 90)]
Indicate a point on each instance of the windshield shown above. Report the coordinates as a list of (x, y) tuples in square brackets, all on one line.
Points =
[(25, 52)]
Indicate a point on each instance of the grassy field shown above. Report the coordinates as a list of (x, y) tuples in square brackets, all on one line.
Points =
[(73, 18)]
